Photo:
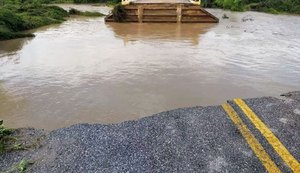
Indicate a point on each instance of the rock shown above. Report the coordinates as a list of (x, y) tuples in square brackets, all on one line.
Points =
[(225, 16), (247, 18)]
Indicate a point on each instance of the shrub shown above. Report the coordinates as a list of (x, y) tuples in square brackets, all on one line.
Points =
[(11, 20), (235, 5), (271, 6), (30, 14), (12, 35), (56, 12), (119, 13), (73, 11), (86, 1), (4, 133)]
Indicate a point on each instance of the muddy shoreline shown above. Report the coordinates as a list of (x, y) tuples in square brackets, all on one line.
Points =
[(197, 139)]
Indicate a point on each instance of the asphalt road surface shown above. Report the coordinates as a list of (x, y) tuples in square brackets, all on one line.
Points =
[(249, 135)]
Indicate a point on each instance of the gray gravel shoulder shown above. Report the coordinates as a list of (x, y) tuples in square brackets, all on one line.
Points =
[(198, 139)]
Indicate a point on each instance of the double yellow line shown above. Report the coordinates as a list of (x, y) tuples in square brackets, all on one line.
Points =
[(254, 144)]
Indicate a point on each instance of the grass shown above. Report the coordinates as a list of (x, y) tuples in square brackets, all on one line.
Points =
[(85, 1), (7, 141), (6, 34), (14, 19), (62, 1), (269, 6), (21, 167), (10, 142), (4, 137), (17, 16)]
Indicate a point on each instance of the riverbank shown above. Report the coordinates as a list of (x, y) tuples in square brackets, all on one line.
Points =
[(198, 139), (16, 19), (270, 6)]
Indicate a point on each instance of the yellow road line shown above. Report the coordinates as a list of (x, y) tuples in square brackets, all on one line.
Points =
[(256, 147), (271, 138)]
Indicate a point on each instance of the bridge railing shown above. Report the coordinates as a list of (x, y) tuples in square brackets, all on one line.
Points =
[(125, 2), (197, 2)]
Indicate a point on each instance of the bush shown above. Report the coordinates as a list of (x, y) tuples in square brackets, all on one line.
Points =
[(55, 12), (11, 35), (73, 11), (11, 20), (87, 1), (235, 5), (119, 13), (28, 15), (271, 10), (271, 6), (207, 3)]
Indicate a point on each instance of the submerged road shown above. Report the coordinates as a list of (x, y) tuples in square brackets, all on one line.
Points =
[(243, 135)]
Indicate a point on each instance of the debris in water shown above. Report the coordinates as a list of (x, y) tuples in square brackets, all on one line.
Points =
[(225, 16), (247, 18)]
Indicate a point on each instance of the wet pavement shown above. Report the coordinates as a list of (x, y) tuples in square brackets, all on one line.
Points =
[(197, 139)]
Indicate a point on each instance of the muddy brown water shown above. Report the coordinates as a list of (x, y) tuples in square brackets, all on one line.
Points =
[(86, 71)]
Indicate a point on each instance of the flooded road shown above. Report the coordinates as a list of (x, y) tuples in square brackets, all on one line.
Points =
[(84, 70)]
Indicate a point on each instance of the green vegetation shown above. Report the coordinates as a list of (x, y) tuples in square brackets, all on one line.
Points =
[(270, 6), (119, 13), (89, 1), (21, 167), (11, 141), (5, 137), (17, 16), (96, 1), (61, 1), (7, 141), (73, 11), (85, 1)]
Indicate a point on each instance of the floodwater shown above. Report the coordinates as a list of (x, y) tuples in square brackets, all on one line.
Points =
[(86, 71)]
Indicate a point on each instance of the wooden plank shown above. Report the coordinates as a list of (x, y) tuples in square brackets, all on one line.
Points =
[(193, 12), (161, 15), (179, 13), (197, 18), (160, 18), (160, 12), (140, 13)]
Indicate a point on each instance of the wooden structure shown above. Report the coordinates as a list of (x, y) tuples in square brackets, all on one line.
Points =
[(180, 11)]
